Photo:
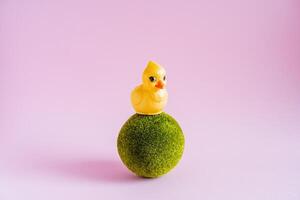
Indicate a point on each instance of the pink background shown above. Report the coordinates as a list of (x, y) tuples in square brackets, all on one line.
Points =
[(67, 69)]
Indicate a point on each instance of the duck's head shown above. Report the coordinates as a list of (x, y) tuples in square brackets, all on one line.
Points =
[(154, 77)]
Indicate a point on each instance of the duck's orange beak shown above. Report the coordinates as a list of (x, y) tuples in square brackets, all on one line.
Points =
[(160, 85)]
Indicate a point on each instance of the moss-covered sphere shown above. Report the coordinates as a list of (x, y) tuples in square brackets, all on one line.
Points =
[(150, 145)]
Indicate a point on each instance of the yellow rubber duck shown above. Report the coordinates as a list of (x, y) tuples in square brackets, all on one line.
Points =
[(151, 96)]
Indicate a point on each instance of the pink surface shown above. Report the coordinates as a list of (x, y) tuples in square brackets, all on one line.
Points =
[(67, 69)]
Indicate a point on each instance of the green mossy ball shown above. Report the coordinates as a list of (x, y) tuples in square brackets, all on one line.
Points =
[(150, 145)]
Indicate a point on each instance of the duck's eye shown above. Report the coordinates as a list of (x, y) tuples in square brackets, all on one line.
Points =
[(152, 78), (164, 78)]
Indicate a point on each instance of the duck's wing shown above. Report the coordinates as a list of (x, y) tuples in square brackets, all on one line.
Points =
[(136, 96)]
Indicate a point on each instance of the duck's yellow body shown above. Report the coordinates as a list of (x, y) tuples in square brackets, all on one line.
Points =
[(151, 97)]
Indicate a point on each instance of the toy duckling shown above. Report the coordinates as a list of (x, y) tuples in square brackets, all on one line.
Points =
[(151, 96)]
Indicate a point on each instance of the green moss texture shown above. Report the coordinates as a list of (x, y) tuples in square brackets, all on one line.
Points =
[(150, 145)]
